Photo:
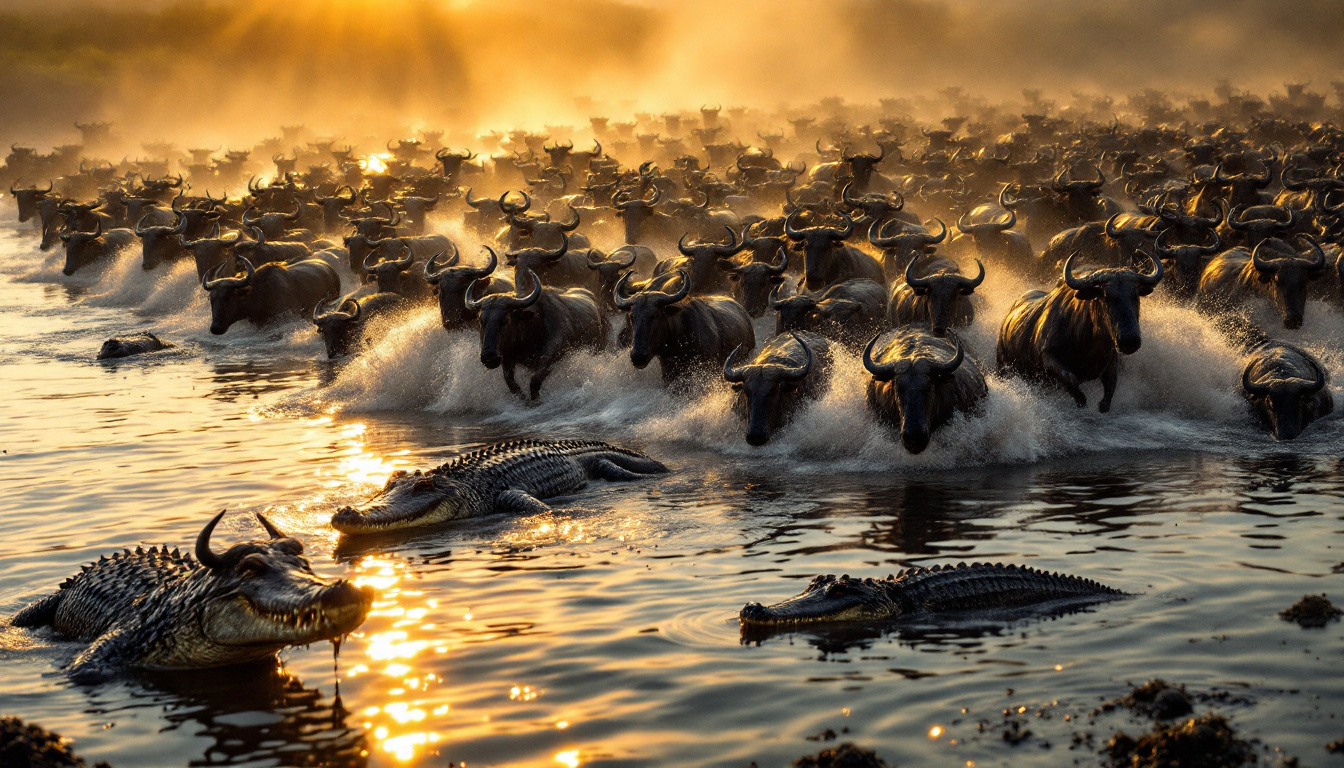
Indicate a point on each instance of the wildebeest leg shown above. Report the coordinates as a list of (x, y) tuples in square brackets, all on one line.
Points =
[(1109, 377), (538, 378), (1064, 376), (520, 502), (511, 381)]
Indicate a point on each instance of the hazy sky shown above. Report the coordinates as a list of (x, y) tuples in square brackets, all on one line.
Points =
[(204, 70)]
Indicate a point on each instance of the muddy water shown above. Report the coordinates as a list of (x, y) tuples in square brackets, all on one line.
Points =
[(604, 633)]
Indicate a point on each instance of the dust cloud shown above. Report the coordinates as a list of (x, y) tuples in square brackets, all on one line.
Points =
[(221, 72)]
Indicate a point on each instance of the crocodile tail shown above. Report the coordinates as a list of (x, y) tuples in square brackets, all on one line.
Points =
[(39, 614)]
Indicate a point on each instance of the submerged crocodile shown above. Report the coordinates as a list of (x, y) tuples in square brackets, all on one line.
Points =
[(940, 589), (508, 477), (158, 609)]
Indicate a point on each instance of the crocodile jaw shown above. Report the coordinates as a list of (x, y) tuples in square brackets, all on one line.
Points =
[(407, 502)]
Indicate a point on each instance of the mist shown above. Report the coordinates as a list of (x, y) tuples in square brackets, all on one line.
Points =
[(218, 73)]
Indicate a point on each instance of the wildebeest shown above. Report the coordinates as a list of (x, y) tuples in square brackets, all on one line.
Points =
[(988, 228), (343, 328), (686, 333), (1184, 263), (753, 281), (607, 269), (451, 281), (920, 381), (791, 369), (826, 259), (1077, 332), (135, 344), (85, 248), (1274, 270), (27, 199), (936, 293), (161, 244), (267, 292), (849, 312), (537, 330), (900, 249), (211, 251), (643, 222), (704, 262), (394, 275), (1286, 388), (261, 250)]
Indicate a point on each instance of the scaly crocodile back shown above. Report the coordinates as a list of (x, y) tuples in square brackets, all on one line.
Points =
[(89, 602), (986, 585), (541, 467)]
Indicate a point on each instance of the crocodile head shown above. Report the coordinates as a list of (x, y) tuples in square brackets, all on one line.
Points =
[(259, 597), (826, 599), (409, 500)]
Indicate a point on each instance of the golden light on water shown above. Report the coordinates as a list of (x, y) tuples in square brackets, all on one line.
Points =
[(568, 758), (935, 732), (376, 163)]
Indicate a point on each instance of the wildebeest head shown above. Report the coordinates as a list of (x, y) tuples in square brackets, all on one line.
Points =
[(898, 251), (944, 291), (83, 248), (1279, 263), (536, 259), (210, 251), (497, 311), (452, 162), (1259, 222), (1114, 295), (388, 271), (817, 244), (647, 310), (27, 199), (1285, 402), (1185, 262), (916, 372), (704, 257), (635, 211), (339, 327), (160, 244), (608, 269), (756, 279), (451, 281), (797, 311), (228, 295), (768, 388)]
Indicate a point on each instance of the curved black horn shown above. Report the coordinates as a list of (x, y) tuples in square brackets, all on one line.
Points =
[(204, 555)]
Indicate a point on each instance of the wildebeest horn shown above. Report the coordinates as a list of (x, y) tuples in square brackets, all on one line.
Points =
[(1319, 382), (794, 234), (1253, 389), (950, 365), (731, 372), (530, 298), (510, 208), (618, 292), (298, 211), (795, 374), (139, 226), (782, 263), (181, 227), (733, 246), (1317, 263), (969, 284), (940, 237), (1155, 277), (275, 533), (473, 202), (434, 271), (880, 371), (666, 299), (629, 260), (1076, 283), (919, 283), (1262, 265), (685, 249), (204, 555)]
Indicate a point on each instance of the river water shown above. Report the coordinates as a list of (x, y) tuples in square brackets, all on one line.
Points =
[(604, 633)]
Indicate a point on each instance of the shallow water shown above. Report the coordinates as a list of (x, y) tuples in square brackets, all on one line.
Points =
[(604, 633)]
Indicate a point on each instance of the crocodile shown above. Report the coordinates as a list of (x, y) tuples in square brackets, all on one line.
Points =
[(507, 477), (159, 609), (939, 589)]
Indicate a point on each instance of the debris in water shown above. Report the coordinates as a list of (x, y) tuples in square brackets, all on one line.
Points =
[(32, 746), (1312, 611), (1202, 742), (846, 755), (1156, 699)]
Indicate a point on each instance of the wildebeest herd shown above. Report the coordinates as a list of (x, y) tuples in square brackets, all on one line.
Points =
[(663, 238)]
